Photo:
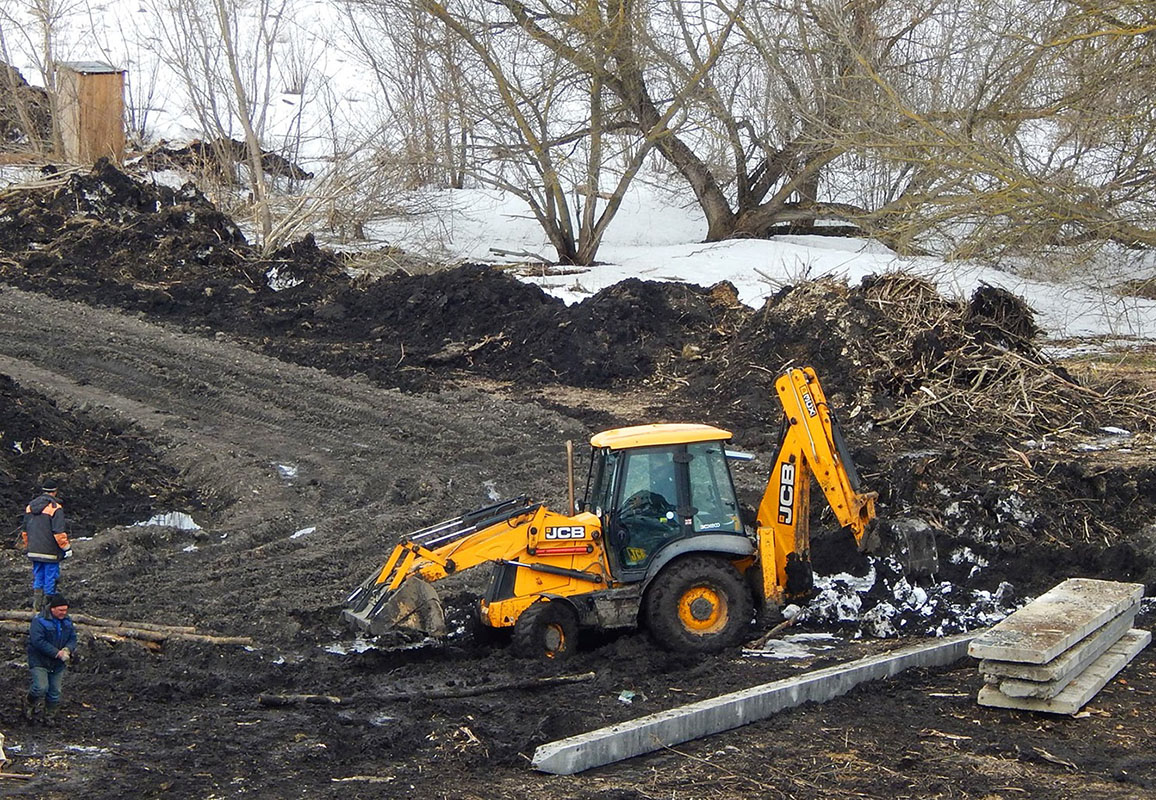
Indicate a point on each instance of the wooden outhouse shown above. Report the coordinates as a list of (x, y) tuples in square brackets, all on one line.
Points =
[(90, 108)]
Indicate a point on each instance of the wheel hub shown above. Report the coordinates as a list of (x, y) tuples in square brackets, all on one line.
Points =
[(554, 638), (703, 610)]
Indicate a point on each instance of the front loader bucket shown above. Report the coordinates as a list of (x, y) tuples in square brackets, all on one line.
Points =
[(414, 605)]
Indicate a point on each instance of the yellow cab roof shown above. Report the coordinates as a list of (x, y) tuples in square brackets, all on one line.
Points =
[(658, 434)]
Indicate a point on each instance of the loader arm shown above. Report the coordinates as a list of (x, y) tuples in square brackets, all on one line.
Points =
[(399, 595), (812, 447)]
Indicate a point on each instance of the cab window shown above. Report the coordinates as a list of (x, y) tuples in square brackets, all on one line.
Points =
[(647, 517), (712, 494)]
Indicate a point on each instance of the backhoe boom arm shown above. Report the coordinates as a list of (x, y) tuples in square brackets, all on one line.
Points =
[(811, 446)]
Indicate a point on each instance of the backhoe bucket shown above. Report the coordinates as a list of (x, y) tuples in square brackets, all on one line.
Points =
[(414, 605), (914, 546)]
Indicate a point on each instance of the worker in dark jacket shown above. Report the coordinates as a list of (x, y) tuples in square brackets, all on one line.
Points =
[(51, 645), (45, 537)]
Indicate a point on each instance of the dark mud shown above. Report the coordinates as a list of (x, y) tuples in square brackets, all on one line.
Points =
[(257, 393)]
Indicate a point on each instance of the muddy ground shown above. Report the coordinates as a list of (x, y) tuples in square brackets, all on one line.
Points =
[(306, 419)]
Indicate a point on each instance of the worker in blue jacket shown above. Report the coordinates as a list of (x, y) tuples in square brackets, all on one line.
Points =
[(51, 645)]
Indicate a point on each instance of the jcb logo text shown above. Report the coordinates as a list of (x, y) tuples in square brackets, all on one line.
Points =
[(566, 532), (787, 493)]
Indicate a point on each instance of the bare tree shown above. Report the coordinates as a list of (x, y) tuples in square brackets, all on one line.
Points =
[(541, 124), (419, 71), (1013, 131), (935, 123), (41, 24), (228, 72)]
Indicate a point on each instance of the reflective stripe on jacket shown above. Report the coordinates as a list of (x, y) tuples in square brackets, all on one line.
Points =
[(45, 529)]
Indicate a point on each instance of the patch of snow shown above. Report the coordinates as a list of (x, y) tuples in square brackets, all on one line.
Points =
[(1011, 508), (799, 645), (172, 519), (303, 532), (278, 282), (491, 490), (87, 750), (965, 555), (168, 177), (343, 648), (287, 471), (886, 604)]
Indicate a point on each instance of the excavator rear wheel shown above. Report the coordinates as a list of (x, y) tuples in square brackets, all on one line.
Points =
[(698, 604), (547, 629)]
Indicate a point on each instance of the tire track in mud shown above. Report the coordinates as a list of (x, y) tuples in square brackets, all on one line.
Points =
[(199, 388), (372, 463)]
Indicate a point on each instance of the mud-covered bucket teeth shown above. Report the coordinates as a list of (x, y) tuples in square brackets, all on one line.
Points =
[(414, 605)]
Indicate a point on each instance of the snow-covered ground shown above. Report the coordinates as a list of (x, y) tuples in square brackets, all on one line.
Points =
[(658, 236)]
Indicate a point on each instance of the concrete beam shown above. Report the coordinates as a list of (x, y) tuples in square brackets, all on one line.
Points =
[(649, 733), (1077, 693), (1056, 620), (1048, 680)]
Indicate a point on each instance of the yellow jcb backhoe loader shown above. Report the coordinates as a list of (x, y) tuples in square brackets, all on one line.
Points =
[(657, 540)]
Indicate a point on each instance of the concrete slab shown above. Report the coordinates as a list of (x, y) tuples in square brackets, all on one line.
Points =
[(643, 735), (1048, 680), (1077, 693), (1056, 620)]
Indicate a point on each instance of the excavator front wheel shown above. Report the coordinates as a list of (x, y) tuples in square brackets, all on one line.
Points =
[(547, 629), (698, 604)]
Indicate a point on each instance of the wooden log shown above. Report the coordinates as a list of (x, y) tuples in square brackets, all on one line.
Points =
[(294, 699), (431, 693), (147, 636), (17, 775), (152, 647), (87, 619), (439, 693)]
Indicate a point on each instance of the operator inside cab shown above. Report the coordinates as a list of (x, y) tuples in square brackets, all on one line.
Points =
[(648, 517), (667, 491)]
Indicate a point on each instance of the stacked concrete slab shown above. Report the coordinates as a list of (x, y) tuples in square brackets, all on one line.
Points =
[(1059, 650)]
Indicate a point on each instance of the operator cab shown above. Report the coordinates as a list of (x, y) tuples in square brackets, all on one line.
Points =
[(655, 484)]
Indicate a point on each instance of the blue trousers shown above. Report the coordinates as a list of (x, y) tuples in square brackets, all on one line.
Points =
[(46, 682), (45, 574)]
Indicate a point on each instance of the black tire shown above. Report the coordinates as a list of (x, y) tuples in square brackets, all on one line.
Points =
[(547, 629), (482, 634), (698, 604)]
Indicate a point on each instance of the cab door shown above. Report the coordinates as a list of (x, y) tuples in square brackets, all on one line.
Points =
[(648, 506)]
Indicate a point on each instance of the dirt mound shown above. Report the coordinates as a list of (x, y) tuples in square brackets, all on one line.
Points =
[(895, 349), (197, 155), (25, 110), (110, 474), (105, 235), (480, 318)]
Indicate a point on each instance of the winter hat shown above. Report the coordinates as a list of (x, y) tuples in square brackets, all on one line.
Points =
[(49, 485), (56, 600)]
